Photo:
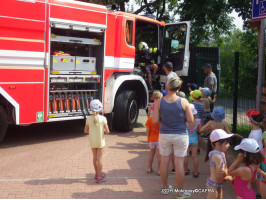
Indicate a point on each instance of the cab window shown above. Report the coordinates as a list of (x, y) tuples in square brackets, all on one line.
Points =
[(176, 38), (128, 32)]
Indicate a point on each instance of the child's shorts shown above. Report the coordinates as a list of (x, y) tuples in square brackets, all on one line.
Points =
[(154, 145)]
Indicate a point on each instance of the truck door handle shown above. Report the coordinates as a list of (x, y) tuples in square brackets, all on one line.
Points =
[(79, 41)]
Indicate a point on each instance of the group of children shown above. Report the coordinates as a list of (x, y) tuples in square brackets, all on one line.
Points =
[(249, 166), (251, 150), (212, 124)]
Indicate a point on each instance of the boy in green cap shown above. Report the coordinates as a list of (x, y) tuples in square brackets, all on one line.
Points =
[(196, 95)]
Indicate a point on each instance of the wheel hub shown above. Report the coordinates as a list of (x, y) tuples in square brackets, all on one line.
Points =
[(133, 109)]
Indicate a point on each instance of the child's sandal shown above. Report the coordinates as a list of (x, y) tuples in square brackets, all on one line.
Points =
[(102, 179), (187, 172), (103, 175), (149, 170), (195, 174)]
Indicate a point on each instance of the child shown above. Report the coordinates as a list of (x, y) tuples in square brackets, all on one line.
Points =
[(196, 95), (152, 132), (193, 129), (218, 115), (191, 87), (206, 101), (256, 117), (155, 95), (217, 146), (245, 175), (95, 126), (262, 170), (181, 94)]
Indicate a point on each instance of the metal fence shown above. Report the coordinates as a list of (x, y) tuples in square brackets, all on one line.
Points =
[(243, 105)]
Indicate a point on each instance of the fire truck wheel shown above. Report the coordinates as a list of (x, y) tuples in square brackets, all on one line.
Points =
[(3, 123), (126, 110), (109, 118)]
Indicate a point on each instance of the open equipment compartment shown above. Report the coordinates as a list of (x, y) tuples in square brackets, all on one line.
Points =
[(76, 70)]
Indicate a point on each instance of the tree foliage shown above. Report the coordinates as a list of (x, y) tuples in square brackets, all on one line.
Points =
[(243, 8), (210, 18), (246, 43)]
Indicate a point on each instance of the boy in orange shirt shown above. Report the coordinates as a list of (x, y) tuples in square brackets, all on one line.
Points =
[(152, 132)]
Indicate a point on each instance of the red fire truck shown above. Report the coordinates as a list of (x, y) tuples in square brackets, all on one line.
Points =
[(58, 55)]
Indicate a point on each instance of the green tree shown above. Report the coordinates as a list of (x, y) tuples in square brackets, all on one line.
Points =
[(243, 8), (209, 19), (246, 43)]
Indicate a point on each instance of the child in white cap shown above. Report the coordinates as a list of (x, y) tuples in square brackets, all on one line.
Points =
[(95, 126), (218, 144), (245, 175), (193, 129)]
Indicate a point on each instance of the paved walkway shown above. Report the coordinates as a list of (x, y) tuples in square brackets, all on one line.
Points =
[(56, 163)]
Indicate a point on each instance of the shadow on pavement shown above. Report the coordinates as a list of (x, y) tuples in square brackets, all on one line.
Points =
[(42, 132), (137, 146), (105, 194)]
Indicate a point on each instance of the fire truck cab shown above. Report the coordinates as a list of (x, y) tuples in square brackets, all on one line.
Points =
[(58, 55)]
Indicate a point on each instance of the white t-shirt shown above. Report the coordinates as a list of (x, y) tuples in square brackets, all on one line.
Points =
[(170, 75), (257, 135)]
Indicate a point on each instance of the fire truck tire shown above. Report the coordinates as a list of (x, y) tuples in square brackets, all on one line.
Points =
[(109, 118), (126, 111), (3, 124)]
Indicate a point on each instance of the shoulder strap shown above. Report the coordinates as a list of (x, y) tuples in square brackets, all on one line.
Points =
[(197, 124), (250, 169), (253, 173)]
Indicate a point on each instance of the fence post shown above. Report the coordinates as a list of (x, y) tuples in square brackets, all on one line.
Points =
[(235, 91), (260, 64)]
